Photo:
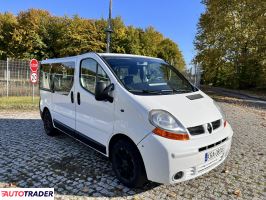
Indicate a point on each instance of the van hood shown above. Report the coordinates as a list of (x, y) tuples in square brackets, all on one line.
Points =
[(191, 109)]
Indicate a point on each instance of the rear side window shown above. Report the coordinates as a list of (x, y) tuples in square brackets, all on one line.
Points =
[(45, 77), (90, 72), (63, 77)]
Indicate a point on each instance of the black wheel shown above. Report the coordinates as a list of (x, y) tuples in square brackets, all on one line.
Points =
[(48, 123), (127, 164)]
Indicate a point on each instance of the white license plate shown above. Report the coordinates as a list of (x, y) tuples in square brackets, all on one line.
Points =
[(214, 154)]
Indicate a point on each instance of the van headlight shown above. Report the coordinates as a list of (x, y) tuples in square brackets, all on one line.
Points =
[(167, 125)]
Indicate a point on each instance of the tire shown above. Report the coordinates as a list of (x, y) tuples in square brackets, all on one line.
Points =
[(48, 123), (127, 164)]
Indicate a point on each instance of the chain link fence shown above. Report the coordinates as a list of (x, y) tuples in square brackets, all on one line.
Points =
[(15, 79)]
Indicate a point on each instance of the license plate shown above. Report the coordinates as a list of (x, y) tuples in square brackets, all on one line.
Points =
[(214, 154)]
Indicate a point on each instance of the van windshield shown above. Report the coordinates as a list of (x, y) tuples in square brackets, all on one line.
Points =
[(148, 76)]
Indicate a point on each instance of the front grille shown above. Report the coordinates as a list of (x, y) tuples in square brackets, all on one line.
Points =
[(196, 130), (201, 129), (212, 145), (216, 124)]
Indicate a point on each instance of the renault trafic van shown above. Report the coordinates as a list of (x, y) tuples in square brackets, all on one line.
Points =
[(139, 111)]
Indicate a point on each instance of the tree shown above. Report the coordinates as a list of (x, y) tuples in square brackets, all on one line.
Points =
[(8, 24), (150, 40), (118, 36), (37, 34), (230, 43), (31, 29), (132, 43), (80, 36), (169, 51)]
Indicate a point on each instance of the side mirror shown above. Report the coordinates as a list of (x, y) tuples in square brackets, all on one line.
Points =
[(103, 92)]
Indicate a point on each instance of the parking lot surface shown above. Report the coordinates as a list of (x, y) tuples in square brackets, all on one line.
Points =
[(30, 158)]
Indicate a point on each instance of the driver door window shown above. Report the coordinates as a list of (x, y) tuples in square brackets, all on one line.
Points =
[(90, 72), (102, 76)]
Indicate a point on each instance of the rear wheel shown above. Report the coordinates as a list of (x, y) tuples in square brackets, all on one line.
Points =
[(48, 123), (127, 164)]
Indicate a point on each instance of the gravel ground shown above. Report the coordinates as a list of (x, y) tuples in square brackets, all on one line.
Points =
[(29, 158)]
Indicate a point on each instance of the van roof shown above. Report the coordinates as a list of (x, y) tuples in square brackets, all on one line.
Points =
[(71, 58), (125, 55)]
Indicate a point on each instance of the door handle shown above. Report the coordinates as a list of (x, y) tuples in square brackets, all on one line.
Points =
[(72, 97), (78, 98)]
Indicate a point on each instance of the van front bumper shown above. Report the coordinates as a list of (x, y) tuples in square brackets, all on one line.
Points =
[(164, 158)]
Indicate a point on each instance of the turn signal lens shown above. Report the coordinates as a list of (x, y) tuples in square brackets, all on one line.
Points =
[(225, 122), (169, 135)]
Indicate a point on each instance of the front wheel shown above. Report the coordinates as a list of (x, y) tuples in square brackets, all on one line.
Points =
[(127, 164), (48, 123)]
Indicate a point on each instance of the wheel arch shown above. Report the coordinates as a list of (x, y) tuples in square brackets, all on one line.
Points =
[(115, 138), (44, 110), (120, 136)]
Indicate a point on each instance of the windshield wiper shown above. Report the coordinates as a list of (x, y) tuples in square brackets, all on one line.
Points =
[(147, 91), (173, 91)]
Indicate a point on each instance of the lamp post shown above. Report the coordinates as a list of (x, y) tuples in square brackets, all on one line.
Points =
[(109, 29)]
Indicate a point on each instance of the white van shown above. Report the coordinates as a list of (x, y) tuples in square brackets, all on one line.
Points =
[(138, 111)]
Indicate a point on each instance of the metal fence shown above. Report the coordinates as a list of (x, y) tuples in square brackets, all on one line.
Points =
[(15, 79)]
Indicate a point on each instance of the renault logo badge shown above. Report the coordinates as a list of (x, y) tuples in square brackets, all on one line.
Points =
[(209, 128)]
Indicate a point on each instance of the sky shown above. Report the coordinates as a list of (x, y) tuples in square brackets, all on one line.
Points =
[(175, 19)]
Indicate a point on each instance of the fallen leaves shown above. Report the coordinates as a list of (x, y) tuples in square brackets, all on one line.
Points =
[(263, 124), (10, 185), (225, 170), (237, 192)]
